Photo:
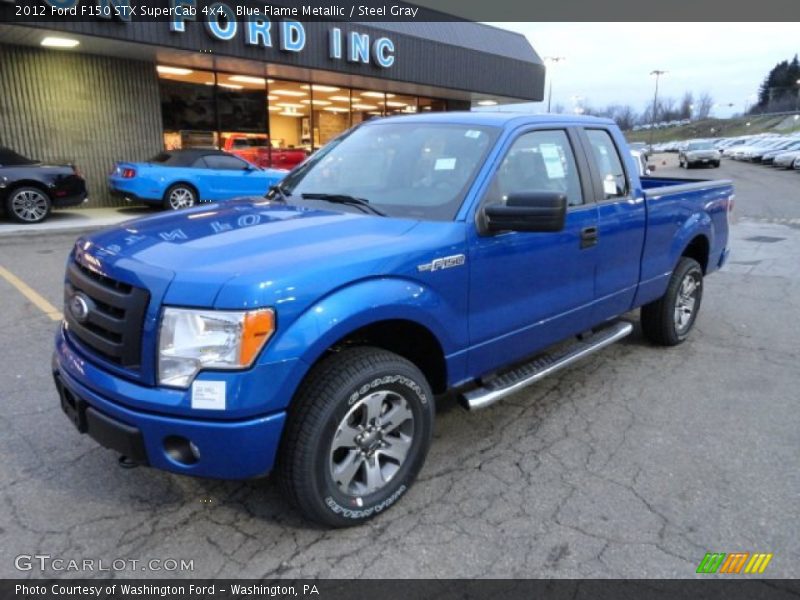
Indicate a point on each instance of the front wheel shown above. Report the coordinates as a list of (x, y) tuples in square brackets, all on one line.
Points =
[(668, 320), (356, 436)]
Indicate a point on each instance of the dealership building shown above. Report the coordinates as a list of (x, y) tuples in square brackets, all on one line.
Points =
[(94, 92)]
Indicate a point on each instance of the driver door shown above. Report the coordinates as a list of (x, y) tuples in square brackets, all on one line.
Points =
[(529, 289)]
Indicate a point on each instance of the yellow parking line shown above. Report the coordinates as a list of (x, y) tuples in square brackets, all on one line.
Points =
[(32, 295)]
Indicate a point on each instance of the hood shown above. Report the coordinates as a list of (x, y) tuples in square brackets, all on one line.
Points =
[(260, 241)]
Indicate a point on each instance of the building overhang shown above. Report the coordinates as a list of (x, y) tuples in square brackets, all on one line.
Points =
[(456, 60)]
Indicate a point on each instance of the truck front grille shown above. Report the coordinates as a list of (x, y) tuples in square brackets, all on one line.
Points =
[(112, 327)]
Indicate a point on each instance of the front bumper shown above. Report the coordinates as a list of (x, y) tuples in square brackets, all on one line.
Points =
[(226, 449)]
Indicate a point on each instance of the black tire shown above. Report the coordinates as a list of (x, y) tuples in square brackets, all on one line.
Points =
[(334, 395), (28, 204), (660, 321), (715, 165), (180, 196)]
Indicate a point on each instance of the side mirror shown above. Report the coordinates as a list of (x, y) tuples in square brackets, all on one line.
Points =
[(527, 211)]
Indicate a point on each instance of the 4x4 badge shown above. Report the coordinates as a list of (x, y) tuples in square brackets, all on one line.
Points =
[(456, 260)]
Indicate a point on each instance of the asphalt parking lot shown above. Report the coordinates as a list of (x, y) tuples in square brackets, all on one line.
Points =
[(634, 463)]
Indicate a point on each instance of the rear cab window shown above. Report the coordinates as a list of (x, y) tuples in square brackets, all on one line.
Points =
[(613, 180)]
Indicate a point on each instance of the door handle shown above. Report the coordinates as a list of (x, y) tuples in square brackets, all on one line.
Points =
[(589, 237)]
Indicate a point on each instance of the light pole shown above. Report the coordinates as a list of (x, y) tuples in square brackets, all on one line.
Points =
[(658, 73), (797, 97), (553, 60)]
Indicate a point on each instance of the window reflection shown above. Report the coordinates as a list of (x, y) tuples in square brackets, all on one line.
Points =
[(268, 122)]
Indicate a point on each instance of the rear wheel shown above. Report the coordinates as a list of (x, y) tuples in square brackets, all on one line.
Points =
[(357, 435), (180, 196), (28, 205), (668, 320)]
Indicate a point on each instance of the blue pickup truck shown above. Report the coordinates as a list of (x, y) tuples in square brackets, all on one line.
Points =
[(308, 332)]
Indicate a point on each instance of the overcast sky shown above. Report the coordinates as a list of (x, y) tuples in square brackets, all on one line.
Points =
[(610, 62)]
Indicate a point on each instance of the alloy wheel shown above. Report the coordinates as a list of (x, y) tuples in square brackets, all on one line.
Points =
[(180, 198), (686, 301), (371, 443), (30, 205)]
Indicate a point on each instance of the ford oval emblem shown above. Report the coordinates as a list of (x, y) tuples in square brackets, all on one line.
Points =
[(80, 307)]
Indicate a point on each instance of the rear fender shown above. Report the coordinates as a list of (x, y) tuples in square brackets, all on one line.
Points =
[(698, 224)]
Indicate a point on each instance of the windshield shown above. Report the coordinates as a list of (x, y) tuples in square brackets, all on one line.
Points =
[(250, 142), (700, 146), (409, 170)]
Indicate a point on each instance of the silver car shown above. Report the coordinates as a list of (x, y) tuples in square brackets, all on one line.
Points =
[(786, 160), (699, 153)]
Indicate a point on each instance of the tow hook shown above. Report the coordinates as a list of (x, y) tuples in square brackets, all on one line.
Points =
[(127, 463)]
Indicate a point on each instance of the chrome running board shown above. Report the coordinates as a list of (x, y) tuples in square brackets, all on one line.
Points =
[(524, 375)]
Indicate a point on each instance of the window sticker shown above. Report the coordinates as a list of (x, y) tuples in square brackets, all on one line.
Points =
[(208, 395), (552, 161), (445, 164), (610, 186), (473, 133)]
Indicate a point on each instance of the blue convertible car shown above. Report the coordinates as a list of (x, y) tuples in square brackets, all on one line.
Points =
[(182, 178)]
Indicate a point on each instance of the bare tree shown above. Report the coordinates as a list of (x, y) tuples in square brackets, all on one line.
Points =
[(687, 104), (703, 106), (623, 114)]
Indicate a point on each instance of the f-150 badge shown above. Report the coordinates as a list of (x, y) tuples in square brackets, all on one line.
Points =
[(443, 263)]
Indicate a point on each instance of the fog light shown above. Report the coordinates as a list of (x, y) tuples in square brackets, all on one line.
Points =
[(181, 450)]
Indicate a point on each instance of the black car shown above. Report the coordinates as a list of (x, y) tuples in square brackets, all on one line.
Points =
[(29, 189)]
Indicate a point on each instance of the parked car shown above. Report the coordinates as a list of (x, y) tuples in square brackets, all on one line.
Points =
[(29, 189), (769, 156), (753, 145), (309, 332), (757, 152), (785, 160), (642, 167), (182, 178), (698, 153), (255, 149)]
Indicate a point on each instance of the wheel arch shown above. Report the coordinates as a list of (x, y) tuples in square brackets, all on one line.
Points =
[(699, 248), (28, 183), (394, 314)]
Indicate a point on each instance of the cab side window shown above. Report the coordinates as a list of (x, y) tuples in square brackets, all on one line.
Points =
[(606, 157), (538, 161), (224, 162)]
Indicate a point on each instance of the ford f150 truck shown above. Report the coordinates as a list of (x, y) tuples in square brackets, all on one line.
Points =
[(308, 332), (255, 148)]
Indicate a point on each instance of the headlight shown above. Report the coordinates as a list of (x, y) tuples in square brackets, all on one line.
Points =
[(192, 340)]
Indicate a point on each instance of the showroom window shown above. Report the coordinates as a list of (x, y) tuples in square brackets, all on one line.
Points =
[(290, 115), (188, 108), (267, 121)]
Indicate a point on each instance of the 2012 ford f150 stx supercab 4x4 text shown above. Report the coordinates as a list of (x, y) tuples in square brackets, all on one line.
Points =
[(308, 332)]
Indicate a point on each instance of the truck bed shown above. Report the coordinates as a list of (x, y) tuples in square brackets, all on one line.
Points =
[(679, 184)]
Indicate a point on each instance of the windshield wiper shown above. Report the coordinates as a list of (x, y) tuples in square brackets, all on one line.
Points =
[(362, 203), (278, 190)]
